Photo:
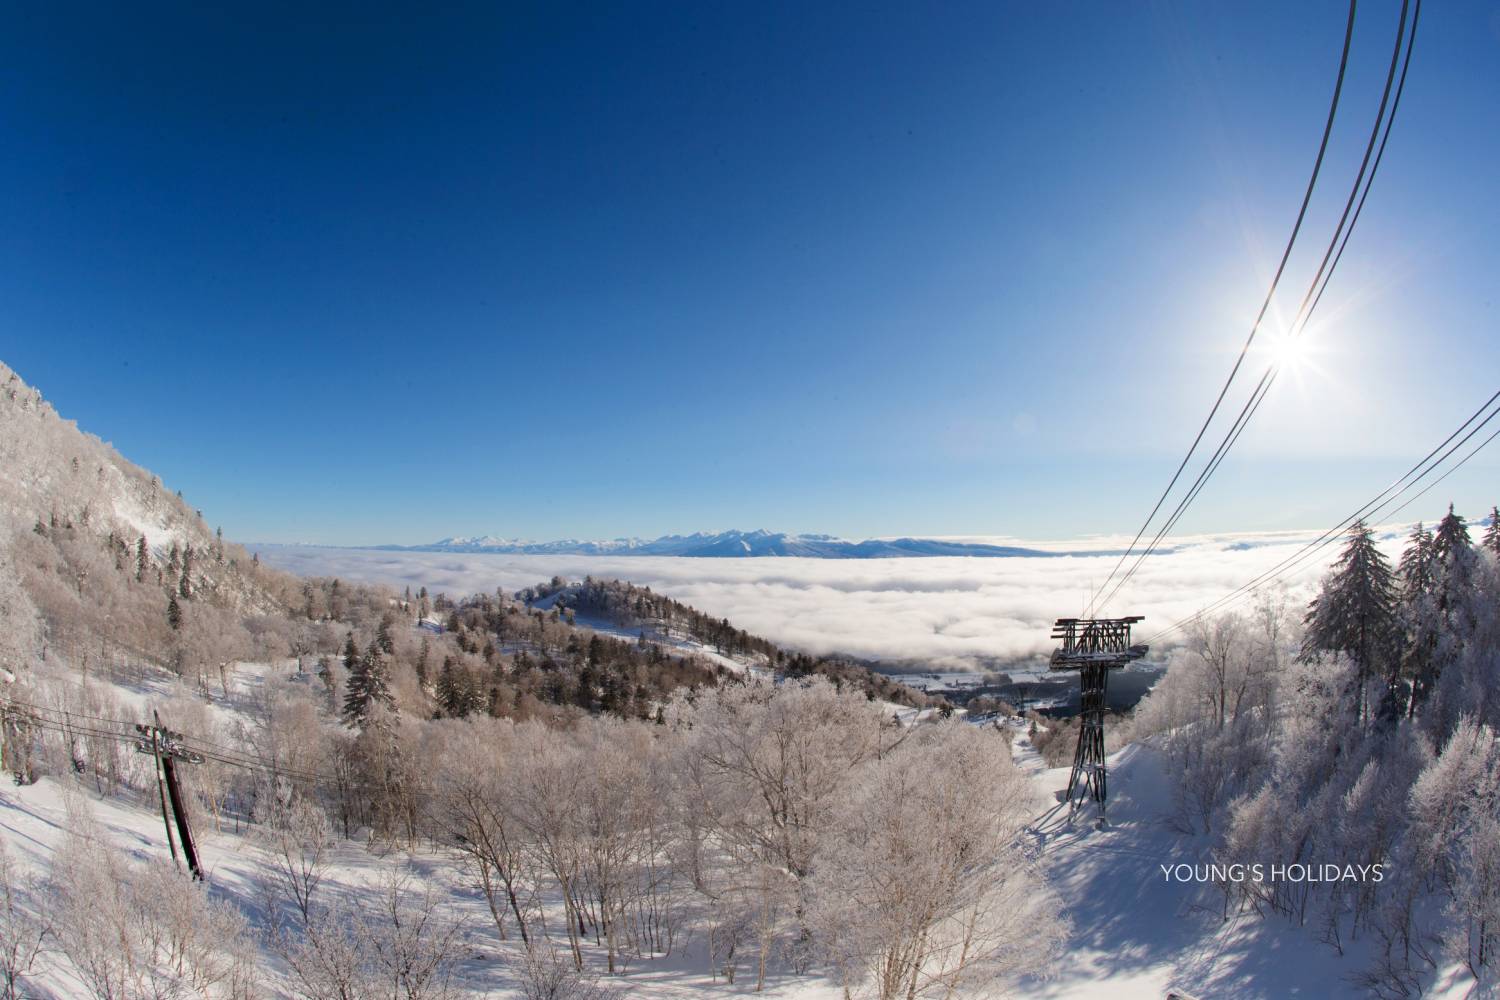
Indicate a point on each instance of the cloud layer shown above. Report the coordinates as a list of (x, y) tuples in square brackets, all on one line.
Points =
[(960, 612)]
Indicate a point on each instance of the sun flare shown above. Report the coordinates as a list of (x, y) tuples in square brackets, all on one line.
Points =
[(1289, 352)]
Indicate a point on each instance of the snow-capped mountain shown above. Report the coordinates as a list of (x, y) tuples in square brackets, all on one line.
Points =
[(731, 544)]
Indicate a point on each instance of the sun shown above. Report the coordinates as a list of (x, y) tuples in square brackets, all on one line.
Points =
[(1288, 351)]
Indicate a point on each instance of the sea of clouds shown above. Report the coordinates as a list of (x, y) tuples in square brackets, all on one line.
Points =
[(951, 612)]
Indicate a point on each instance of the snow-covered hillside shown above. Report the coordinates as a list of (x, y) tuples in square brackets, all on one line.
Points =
[(1139, 933), (57, 476)]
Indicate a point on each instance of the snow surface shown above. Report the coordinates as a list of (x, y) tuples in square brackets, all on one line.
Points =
[(1137, 935), (684, 645), (1134, 934)]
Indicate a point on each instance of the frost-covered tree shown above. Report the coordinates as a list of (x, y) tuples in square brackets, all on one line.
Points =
[(546, 975), (923, 889), (1453, 559), (24, 927), (143, 931), (475, 811), (1355, 612), (367, 691), (1438, 618), (298, 841), (383, 640), (20, 626), (458, 693)]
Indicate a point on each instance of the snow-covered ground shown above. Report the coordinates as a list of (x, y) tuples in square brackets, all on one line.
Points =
[(33, 821), (684, 645), (1136, 935)]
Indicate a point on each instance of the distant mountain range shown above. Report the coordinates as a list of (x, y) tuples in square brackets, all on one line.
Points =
[(737, 544)]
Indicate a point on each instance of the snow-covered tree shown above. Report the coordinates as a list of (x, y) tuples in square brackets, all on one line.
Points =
[(475, 812), (24, 927), (367, 690), (297, 841), (922, 890), (143, 931), (1355, 612)]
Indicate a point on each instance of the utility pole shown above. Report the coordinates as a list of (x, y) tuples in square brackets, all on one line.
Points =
[(154, 749), (167, 747)]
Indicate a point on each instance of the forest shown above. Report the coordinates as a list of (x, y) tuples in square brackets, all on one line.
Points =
[(1361, 730)]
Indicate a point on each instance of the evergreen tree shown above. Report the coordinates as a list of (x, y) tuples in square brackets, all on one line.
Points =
[(383, 636), (1492, 533), (1415, 569), (174, 613), (422, 656), (1453, 561), (1437, 570), (584, 696), (457, 693), (368, 690), (1452, 535), (614, 699), (142, 559), (1355, 611), (446, 685), (185, 587)]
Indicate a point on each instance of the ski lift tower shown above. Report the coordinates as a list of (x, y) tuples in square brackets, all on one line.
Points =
[(1093, 647)]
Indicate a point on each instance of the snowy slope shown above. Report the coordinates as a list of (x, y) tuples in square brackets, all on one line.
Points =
[(1137, 935), (675, 644), (34, 821)]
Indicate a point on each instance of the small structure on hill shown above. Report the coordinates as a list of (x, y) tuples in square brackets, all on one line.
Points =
[(1093, 647)]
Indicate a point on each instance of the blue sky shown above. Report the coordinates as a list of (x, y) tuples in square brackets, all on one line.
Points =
[(360, 275)]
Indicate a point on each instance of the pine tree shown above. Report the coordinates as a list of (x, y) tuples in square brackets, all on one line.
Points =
[(1355, 612), (185, 587), (1452, 535), (1415, 569), (174, 613), (1453, 560), (1417, 630), (457, 693), (422, 656), (1492, 533), (383, 636), (142, 559), (368, 690), (445, 687), (584, 693)]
